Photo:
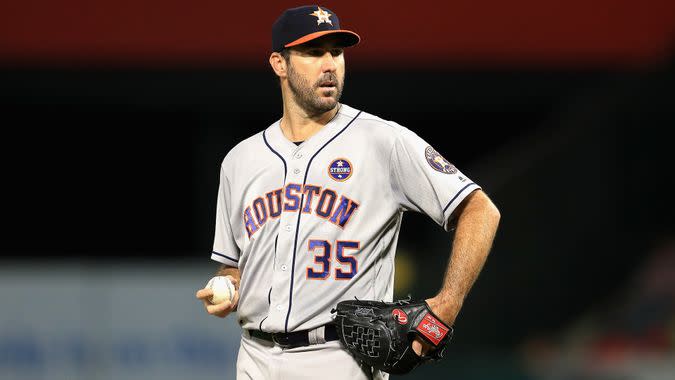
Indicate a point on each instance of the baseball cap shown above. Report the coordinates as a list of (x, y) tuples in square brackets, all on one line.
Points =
[(302, 24)]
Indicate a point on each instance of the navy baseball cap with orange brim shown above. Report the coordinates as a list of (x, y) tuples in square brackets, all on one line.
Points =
[(303, 24)]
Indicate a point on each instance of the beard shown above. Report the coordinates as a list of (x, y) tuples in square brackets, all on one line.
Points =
[(306, 96)]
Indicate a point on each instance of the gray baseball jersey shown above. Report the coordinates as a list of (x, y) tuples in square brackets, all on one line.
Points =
[(314, 224)]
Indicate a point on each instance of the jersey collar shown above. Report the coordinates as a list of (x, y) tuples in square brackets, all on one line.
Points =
[(287, 148)]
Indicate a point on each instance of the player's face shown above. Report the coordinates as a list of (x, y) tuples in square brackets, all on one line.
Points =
[(316, 74)]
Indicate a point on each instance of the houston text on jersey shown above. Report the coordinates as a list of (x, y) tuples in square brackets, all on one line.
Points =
[(328, 207)]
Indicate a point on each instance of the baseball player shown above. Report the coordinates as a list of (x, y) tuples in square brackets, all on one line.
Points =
[(309, 211)]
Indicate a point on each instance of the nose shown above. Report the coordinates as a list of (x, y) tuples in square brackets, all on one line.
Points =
[(328, 63)]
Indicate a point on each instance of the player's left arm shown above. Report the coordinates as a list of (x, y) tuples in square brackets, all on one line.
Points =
[(477, 219)]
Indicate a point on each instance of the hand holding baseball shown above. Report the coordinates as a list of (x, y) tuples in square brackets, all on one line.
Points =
[(219, 296)]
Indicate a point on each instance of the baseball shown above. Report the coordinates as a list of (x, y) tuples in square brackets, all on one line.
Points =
[(223, 289)]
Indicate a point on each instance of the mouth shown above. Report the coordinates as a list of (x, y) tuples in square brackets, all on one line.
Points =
[(328, 84), (327, 89)]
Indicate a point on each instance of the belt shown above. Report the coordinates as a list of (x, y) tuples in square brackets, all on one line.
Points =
[(299, 338)]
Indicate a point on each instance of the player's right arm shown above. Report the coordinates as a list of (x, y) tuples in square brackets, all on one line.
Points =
[(224, 308), (225, 249), (226, 270)]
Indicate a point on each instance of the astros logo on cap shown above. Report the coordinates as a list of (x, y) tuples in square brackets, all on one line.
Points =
[(340, 169), (296, 26), (322, 16)]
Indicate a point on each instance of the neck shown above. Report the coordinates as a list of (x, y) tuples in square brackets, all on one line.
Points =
[(297, 125)]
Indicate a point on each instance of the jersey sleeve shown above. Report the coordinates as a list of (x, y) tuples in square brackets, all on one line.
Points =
[(225, 248), (423, 180)]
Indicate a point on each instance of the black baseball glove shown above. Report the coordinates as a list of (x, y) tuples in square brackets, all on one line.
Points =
[(380, 334)]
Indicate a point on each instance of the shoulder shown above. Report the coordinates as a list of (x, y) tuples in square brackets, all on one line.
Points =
[(374, 127)]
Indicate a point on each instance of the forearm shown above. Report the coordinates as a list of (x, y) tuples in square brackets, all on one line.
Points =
[(226, 270), (476, 227)]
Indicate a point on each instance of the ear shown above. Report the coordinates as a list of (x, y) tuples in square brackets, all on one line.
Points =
[(278, 64)]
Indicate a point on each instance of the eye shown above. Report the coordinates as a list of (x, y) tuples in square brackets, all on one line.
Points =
[(336, 52), (315, 52)]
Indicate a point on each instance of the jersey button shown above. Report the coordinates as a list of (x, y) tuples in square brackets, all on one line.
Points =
[(298, 156), (280, 307), (296, 171), (288, 227), (284, 267)]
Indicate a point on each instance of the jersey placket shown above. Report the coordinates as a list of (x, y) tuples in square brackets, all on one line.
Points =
[(282, 279)]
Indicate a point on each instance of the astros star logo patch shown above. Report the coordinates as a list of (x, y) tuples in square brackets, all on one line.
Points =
[(438, 162), (340, 169), (322, 16)]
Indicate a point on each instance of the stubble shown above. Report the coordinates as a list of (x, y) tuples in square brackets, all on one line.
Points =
[(305, 94)]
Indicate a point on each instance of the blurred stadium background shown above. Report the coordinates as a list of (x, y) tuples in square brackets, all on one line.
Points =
[(116, 115)]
